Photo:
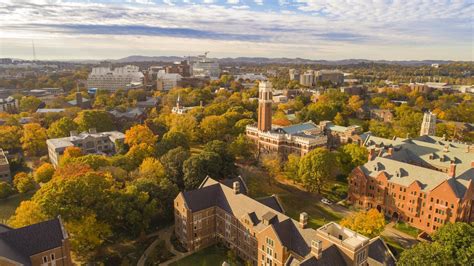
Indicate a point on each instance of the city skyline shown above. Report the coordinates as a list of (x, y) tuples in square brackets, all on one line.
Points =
[(331, 30)]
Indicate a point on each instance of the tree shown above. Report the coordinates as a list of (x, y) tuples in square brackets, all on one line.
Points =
[(213, 127), (29, 104), (34, 139), (136, 95), (239, 127), (355, 104), (242, 147), (185, 124), (44, 173), (98, 119), (138, 153), (227, 168), (140, 134), (62, 128), (173, 162), (197, 167), (316, 168), (339, 120), (152, 168), (272, 164), (368, 223), (381, 129), (423, 254), (10, 137), (23, 182), (95, 161), (87, 234), (5, 190), (352, 155), (292, 167), (172, 140), (29, 212)]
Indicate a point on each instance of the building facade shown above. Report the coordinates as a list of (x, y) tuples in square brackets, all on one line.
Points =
[(428, 127), (426, 182), (9, 105), (205, 67), (261, 235), (89, 142), (127, 77), (167, 81), (41, 244), (5, 174), (384, 115)]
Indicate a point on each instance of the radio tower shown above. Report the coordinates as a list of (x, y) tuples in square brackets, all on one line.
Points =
[(34, 50)]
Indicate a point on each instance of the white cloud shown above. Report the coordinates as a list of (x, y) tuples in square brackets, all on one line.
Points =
[(258, 2), (233, 2), (208, 1)]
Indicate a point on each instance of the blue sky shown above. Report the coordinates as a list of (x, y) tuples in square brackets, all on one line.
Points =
[(315, 29)]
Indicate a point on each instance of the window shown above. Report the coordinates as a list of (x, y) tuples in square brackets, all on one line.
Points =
[(52, 256), (45, 259)]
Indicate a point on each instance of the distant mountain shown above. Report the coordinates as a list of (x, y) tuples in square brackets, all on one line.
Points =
[(282, 60)]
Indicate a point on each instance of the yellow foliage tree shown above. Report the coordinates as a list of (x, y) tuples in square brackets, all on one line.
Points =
[(29, 212), (140, 134), (34, 139), (369, 223)]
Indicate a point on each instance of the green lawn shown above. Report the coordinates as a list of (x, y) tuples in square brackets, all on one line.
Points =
[(211, 256), (407, 229), (294, 200), (8, 206), (394, 246)]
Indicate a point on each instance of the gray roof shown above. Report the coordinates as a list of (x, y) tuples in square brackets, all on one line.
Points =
[(298, 128), (230, 183), (19, 244), (380, 253), (272, 202)]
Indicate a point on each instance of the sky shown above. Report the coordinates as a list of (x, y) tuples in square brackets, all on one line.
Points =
[(312, 29)]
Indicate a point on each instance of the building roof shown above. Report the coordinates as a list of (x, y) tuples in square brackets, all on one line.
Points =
[(19, 244), (379, 252), (50, 110), (69, 141), (272, 202), (298, 128)]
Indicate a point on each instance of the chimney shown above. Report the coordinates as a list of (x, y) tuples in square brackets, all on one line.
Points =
[(92, 130), (452, 170), (236, 186), (390, 151), (317, 248), (472, 164), (371, 153), (303, 220)]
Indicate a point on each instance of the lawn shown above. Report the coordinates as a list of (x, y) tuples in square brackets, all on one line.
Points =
[(8, 206), (394, 246), (293, 199), (407, 229), (211, 256), (159, 254)]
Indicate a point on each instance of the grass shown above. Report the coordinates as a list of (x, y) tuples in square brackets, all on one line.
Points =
[(211, 256), (8, 206), (293, 199), (158, 254), (407, 229), (394, 246)]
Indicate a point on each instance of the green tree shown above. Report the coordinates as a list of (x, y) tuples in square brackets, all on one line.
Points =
[(197, 167), (23, 182), (352, 155), (98, 119), (456, 240), (423, 254), (34, 139), (291, 167), (138, 153), (173, 162), (44, 173), (29, 104), (339, 120), (227, 167), (242, 147), (62, 128), (381, 129), (170, 141), (213, 127), (316, 168)]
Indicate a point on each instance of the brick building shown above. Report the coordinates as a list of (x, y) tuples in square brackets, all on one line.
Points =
[(45, 243), (262, 235), (384, 115), (5, 174), (426, 182)]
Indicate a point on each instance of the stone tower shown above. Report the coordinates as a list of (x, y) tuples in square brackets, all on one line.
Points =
[(265, 106), (428, 127)]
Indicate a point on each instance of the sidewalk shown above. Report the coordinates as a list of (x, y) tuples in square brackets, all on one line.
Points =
[(404, 239)]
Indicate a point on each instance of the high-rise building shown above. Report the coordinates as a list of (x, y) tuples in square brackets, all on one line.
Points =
[(307, 78), (205, 67), (428, 127), (167, 81), (261, 234), (127, 77), (294, 74), (182, 68), (265, 106), (334, 76)]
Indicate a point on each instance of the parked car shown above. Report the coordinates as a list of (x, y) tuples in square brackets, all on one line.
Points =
[(326, 201)]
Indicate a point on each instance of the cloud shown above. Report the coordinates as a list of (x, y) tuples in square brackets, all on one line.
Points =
[(233, 2)]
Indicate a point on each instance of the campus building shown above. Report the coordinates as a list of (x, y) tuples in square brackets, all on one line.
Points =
[(299, 138), (89, 142), (262, 235), (9, 105), (426, 182), (5, 174), (127, 77), (206, 68), (167, 81), (41, 244)]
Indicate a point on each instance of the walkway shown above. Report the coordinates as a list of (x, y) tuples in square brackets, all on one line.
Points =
[(404, 239)]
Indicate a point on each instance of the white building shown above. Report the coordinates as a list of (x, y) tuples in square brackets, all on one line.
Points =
[(127, 77), (89, 142), (428, 127), (167, 81), (205, 67), (9, 105)]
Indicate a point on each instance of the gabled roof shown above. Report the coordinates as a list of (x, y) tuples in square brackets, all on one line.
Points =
[(20, 244), (379, 252), (272, 202)]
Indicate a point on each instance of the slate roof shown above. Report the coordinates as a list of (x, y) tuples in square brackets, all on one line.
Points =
[(229, 182), (19, 244), (272, 202), (379, 252)]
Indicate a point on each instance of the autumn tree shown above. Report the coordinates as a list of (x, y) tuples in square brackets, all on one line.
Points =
[(28, 213), (62, 128), (10, 137), (316, 168), (98, 119), (5, 190), (152, 168), (291, 167), (339, 120), (242, 147), (140, 134), (213, 127), (352, 155), (44, 173), (138, 153), (23, 182), (368, 223), (34, 139), (29, 104)]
